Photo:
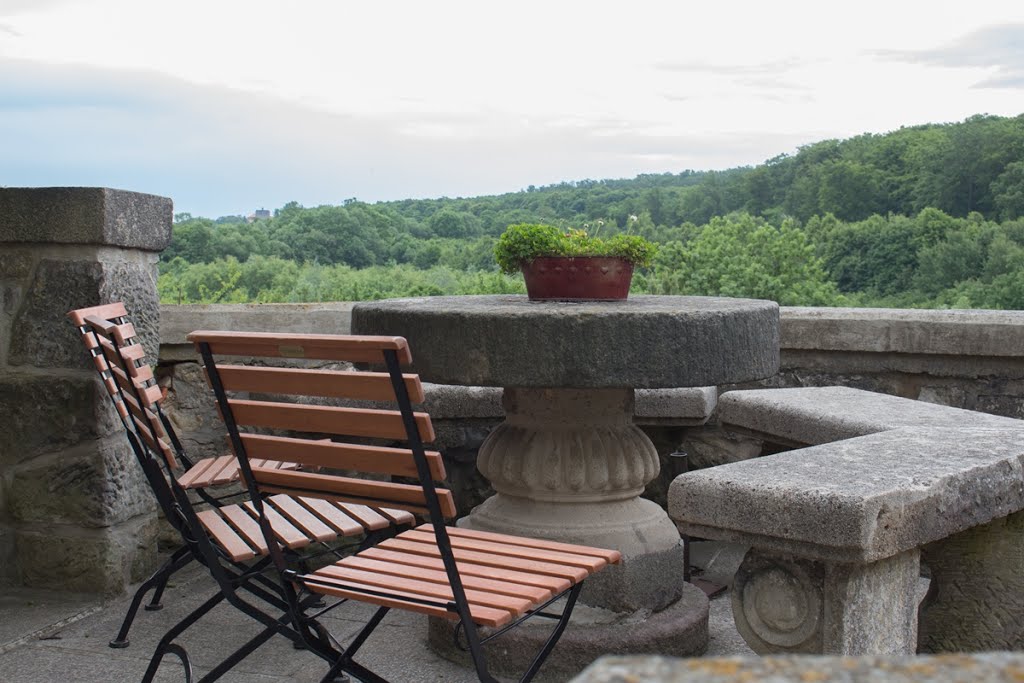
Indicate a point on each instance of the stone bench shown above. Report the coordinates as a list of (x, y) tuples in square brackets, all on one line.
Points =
[(838, 532), (816, 415)]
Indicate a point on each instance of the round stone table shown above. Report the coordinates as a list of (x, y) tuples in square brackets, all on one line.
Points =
[(568, 464)]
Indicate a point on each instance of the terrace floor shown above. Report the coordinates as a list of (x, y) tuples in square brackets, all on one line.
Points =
[(50, 636)]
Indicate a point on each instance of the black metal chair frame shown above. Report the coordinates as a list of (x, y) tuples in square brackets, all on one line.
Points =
[(294, 620)]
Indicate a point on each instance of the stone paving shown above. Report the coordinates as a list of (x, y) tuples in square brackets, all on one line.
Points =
[(48, 636)]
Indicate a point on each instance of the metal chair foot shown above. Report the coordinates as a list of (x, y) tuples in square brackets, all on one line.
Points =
[(154, 607), (119, 644)]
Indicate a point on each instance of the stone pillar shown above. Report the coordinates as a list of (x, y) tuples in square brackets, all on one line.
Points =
[(75, 511), (976, 599), (789, 605)]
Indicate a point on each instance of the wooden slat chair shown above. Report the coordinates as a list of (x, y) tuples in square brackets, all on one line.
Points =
[(298, 522), (474, 578)]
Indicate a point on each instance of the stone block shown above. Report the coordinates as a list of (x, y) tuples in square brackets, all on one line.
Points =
[(95, 485), (192, 411), (691, 406), (8, 562), (92, 561), (46, 413), (41, 333), (991, 667), (449, 401), (817, 415), (85, 215), (645, 342), (857, 500), (320, 318)]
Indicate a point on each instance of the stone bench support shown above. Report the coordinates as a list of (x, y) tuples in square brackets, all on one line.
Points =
[(837, 532)]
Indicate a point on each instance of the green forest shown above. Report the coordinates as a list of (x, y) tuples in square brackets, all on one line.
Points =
[(926, 216)]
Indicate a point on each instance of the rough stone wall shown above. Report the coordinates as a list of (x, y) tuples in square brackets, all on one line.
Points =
[(75, 512)]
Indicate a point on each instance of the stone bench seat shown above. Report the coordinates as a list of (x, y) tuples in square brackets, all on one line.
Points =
[(838, 532), (816, 415)]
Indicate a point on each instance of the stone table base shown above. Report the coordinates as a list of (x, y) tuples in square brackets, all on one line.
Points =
[(681, 630)]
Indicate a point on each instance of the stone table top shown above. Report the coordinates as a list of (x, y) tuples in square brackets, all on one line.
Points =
[(642, 342)]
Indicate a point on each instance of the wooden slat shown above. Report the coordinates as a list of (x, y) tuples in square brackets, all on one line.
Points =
[(357, 349), (590, 563), (429, 589), (532, 593), (282, 528), (398, 516), (378, 493), (575, 574), (302, 518), (555, 584), (368, 386), (485, 616), (342, 456), (246, 525), (108, 311), (367, 516), (332, 516), (156, 444), (132, 352), (194, 477), (224, 536), (610, 556), (385, 424), (226, 473)]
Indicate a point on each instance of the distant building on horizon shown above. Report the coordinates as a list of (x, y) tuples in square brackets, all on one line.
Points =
[(258, 214)]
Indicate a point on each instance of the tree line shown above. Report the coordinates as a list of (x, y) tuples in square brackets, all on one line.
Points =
[(924, 216)]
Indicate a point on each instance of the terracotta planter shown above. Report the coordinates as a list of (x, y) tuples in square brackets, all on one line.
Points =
[(565, 278)]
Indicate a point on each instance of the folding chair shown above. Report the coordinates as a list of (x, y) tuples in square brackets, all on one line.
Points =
[(119, 358), (474, 578)]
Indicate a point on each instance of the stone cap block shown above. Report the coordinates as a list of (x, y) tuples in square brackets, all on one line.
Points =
[(85, 215), (675, 406), (886, 330), (643, 342), (988, 667), (858, 500), (817, 415)]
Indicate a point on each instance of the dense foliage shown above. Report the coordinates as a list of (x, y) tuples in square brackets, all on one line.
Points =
[(924, 216)]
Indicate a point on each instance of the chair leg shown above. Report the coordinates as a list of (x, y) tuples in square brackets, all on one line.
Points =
[(167, 644), (345, 663), (179, 559), (552, 640)]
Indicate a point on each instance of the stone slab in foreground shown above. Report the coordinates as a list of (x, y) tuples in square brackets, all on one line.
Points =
[(995, 667)]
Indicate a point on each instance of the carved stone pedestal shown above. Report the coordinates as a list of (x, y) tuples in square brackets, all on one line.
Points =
[(788, 605), (569, 465)]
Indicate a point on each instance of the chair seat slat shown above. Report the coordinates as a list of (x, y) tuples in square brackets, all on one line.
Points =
[(533, 593), (513, 551), (485, 616), (332, 516), (226, 537), (611, 556), (574, 574), (246, 525), (426, 588), (302, 518), (551, 583), (195, 476), (282, 528)]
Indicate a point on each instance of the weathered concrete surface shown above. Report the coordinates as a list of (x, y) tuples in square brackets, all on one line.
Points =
[(85, 215), (818, 415), (858, 500), (906, 331), (644, 342), (995, 667), (684, 406)]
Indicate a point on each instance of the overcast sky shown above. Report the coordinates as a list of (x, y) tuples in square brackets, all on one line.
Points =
[(231, 105)]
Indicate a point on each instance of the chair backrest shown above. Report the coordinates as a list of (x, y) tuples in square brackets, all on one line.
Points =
[(119, 357), (255, 399)]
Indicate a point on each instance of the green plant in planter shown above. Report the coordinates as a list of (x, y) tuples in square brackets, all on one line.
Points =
[(523, 242)]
